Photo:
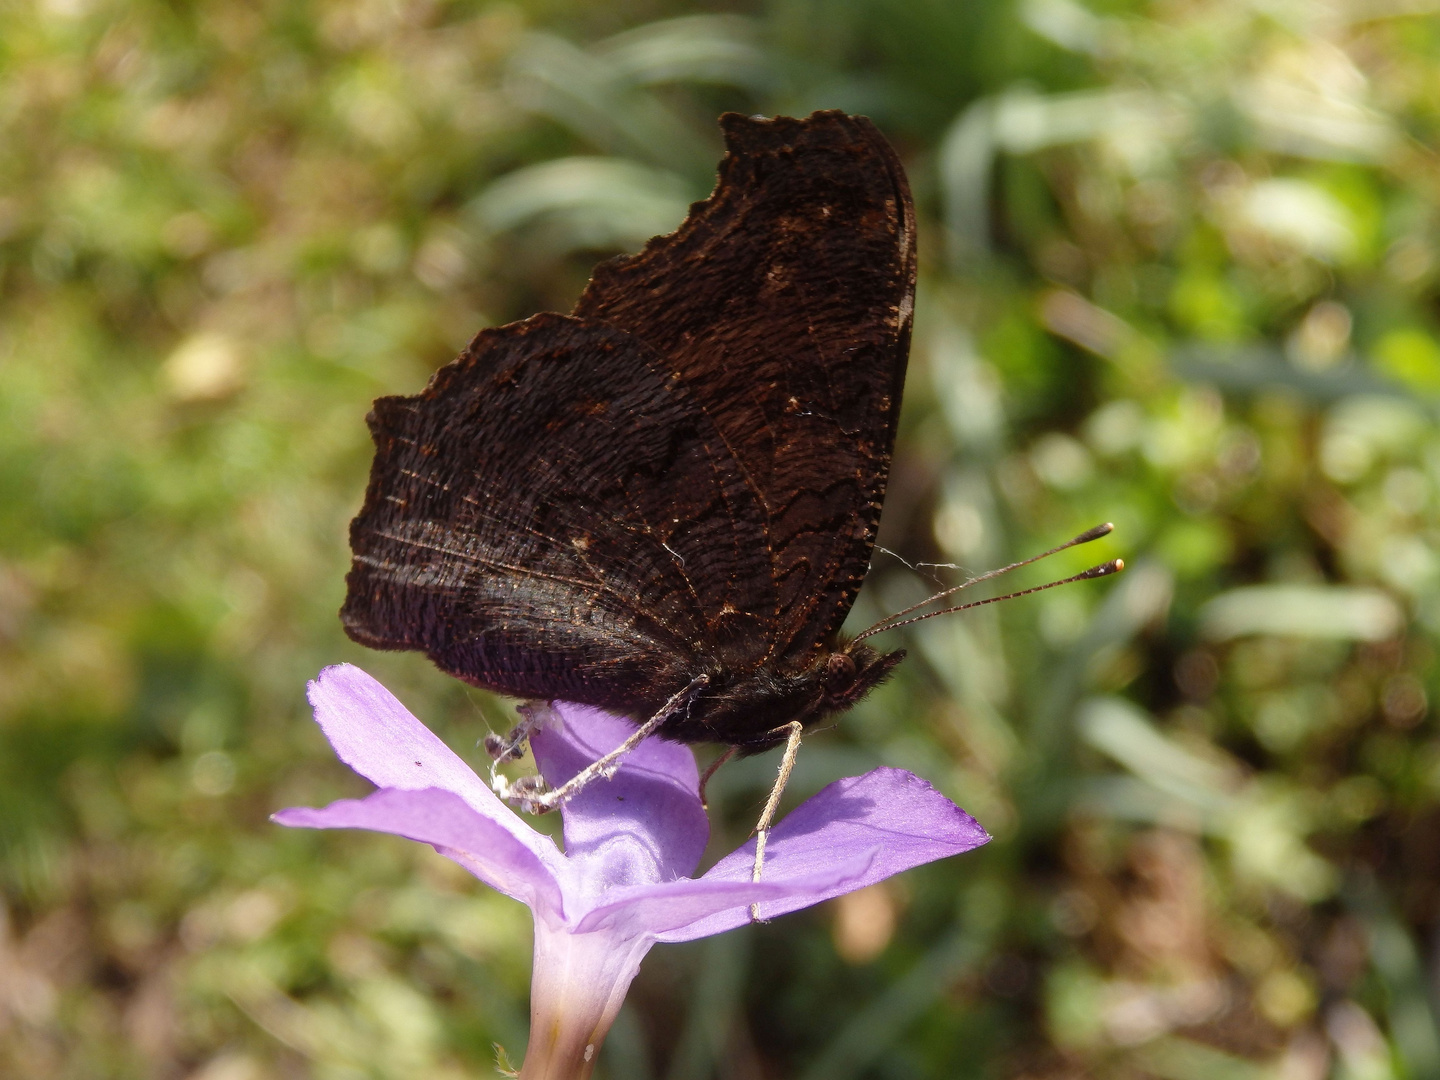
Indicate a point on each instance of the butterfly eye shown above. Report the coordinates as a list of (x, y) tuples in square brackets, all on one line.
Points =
[(839, 673)]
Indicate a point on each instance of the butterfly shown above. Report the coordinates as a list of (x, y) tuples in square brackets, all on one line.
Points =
[(669, 496), (664, 503)]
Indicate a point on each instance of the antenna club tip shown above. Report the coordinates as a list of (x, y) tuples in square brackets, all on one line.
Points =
[(1092, 534), (1114, 566)]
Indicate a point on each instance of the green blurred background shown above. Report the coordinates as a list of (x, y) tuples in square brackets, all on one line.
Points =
[(1180, 270)]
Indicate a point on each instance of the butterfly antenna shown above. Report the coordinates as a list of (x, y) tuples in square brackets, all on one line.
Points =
[(889, 622), (1114, 566)]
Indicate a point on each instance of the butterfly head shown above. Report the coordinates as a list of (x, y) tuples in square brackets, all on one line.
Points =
[(851, 672), (751, 711)]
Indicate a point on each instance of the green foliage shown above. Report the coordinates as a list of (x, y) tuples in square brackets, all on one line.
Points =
[(1179, 271)]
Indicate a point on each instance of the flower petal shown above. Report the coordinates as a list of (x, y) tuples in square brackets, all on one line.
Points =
[(673, 907), (643, 825), (379, 738), (454, 828), (890, 809)]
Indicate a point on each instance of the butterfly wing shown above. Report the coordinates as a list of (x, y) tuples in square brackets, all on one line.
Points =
[(684, 476), (784, 305), (535, 518)]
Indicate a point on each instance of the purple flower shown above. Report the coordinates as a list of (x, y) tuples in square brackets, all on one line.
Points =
[(631, 845)]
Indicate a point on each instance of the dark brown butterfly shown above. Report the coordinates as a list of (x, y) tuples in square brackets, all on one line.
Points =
[(669, 496)]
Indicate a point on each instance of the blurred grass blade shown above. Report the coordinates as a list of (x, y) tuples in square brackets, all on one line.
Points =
[(1175, 1058), (1302, 215), (870, 1033), (1253, 368), (720, 49), (625, 1053), (968, 388), (1068, 314), (1139, 596), (1025, 121), (1068, 24), (1307, 611), (1318, 114), (966, 156), (714, 1002), (1125, 733), (586, 203), (1411, 1013), (586, 93), (1021, 121)]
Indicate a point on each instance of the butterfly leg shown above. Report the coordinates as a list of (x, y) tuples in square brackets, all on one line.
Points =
[(712, 769), (512, 746), (762, 827), (525, 796)]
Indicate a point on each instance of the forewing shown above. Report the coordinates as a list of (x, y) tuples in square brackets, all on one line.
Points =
[(534, 520), (784, 304)]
